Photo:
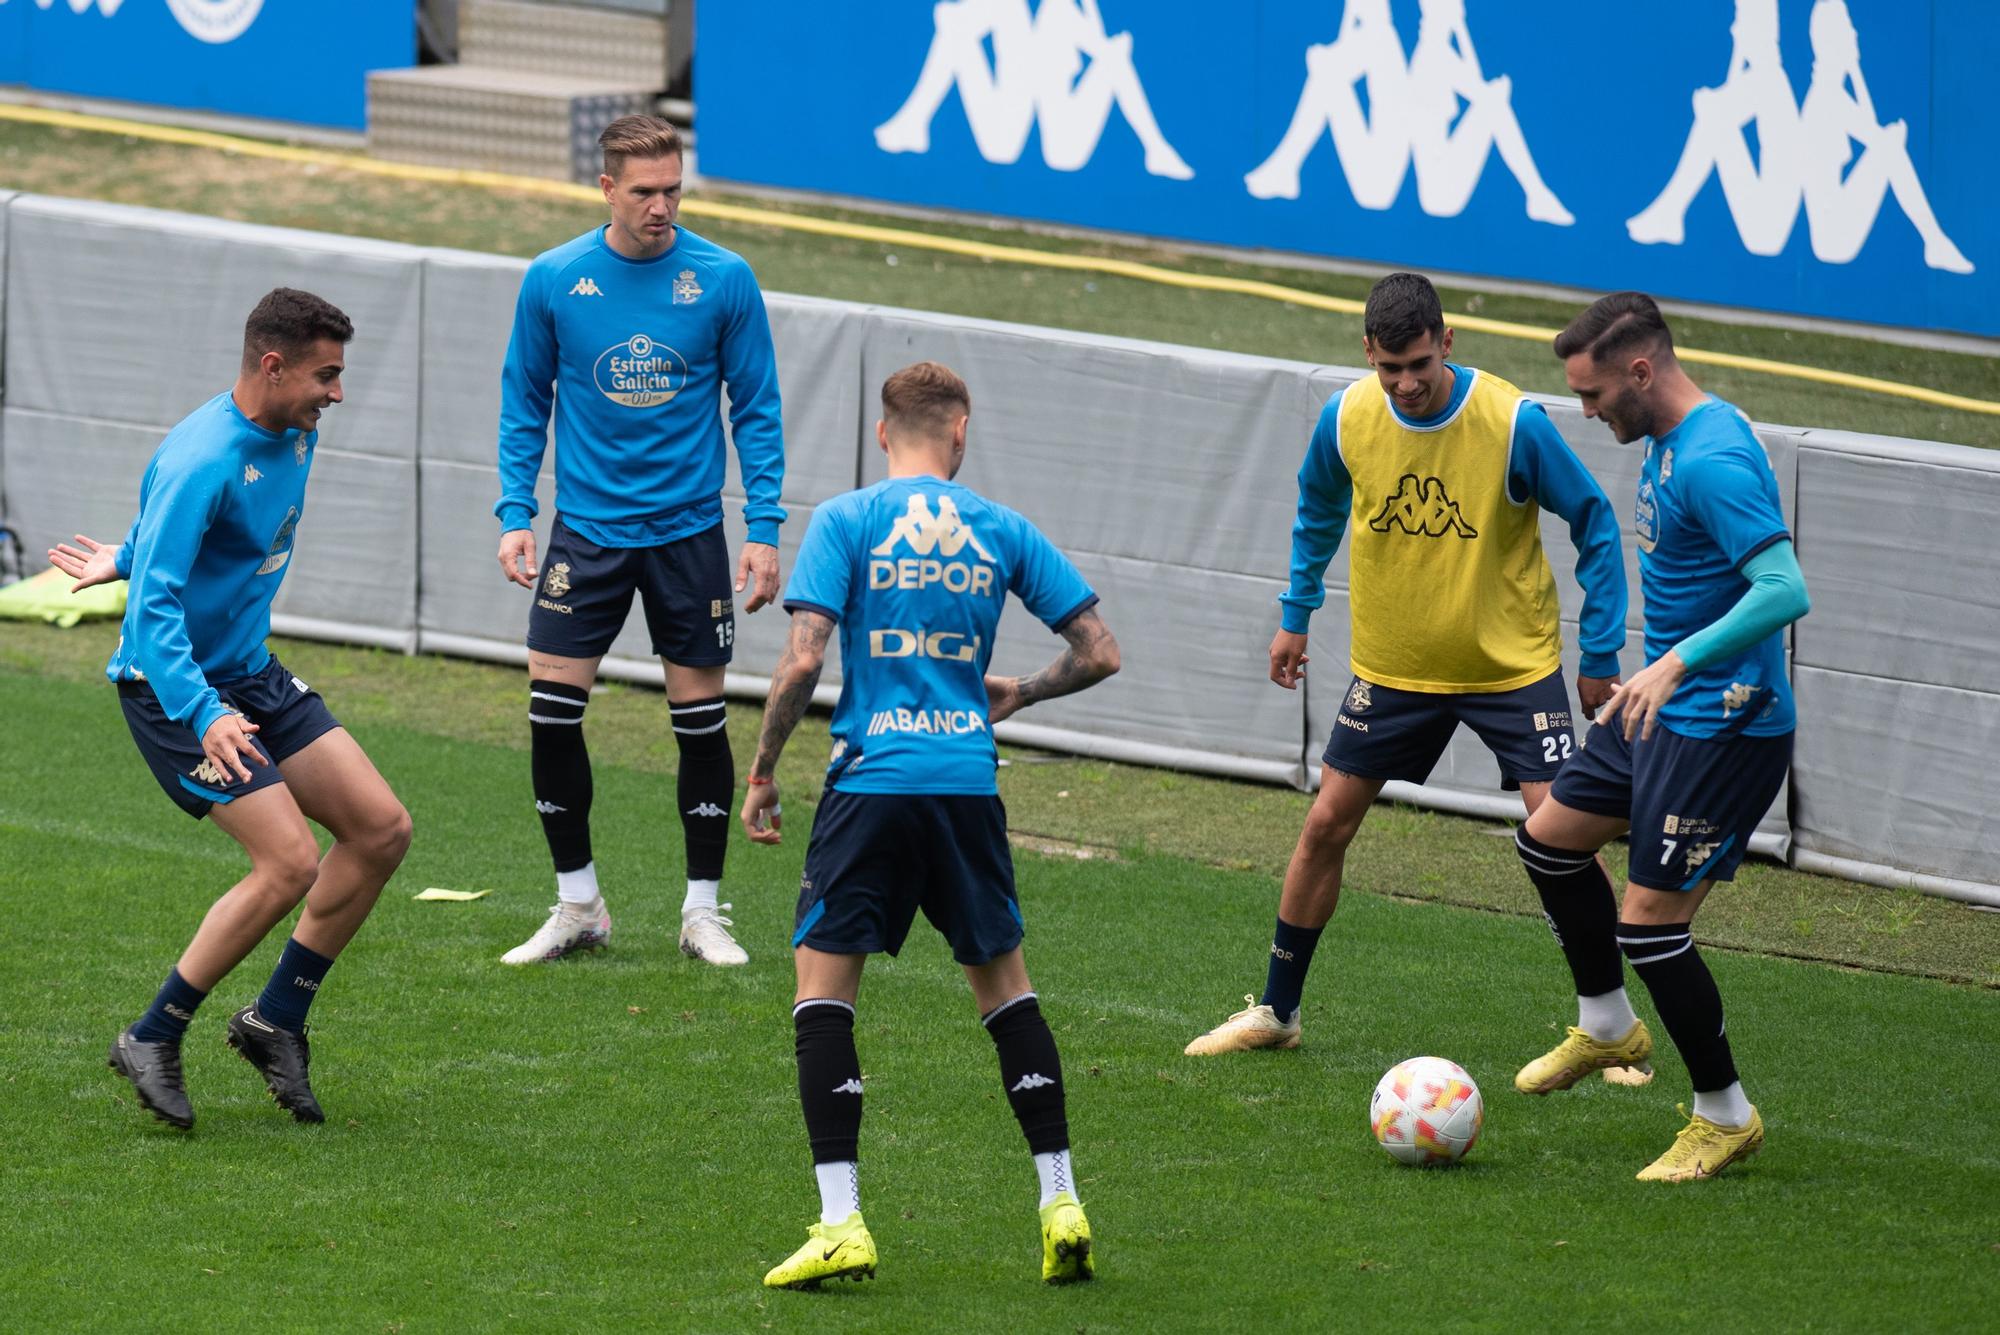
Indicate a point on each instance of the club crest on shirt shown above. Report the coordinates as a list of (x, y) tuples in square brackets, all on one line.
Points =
[(1360, 699), (556, 582), (687, 290), (280, 550), (1666, 465), (299, 451)]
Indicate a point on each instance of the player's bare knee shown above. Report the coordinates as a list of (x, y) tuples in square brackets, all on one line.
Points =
[(1329, 830), (287, 874), (388, 837)]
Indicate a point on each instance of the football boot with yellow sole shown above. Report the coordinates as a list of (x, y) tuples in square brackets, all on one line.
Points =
[(1579, 1054), (1066, 1242), (1705, 1148)]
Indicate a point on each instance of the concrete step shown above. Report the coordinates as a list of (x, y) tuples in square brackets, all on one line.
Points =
[(569, 40), (496, 119)]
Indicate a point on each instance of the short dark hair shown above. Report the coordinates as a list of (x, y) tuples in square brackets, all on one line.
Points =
[(638, 137), (1622, 324), (927, 397), (1401, 307), (288, 322)]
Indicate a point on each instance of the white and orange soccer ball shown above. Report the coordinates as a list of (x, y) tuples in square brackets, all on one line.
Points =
[(1426, 1111)]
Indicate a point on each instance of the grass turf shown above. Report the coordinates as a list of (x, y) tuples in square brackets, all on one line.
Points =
[(617, 1139), (110, 167)]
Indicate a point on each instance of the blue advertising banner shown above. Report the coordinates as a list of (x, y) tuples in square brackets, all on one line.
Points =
[(277, 59), (1820, 157)]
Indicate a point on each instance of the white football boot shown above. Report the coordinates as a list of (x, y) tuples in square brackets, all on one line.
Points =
[(570, 929), (705, 936)]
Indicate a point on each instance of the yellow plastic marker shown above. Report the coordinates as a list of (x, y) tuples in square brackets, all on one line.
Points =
[(437, 895)]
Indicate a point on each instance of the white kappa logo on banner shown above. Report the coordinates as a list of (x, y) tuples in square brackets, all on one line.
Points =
[(1804, 151), (211, 21), (1412, 120), (1058, 69)]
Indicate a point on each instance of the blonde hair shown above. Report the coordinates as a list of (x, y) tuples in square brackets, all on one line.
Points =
[(637, 137), (925, 398)]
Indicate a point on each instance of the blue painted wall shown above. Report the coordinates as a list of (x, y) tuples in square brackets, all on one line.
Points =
[(282, 59), (793, 92)]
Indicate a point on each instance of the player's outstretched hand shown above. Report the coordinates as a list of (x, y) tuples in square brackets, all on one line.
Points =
[(1594, 692), (517, 556), (759, 560), (1003, 698), (1641, 698), (763, 818), (89, 562), (1288, 659), (227, 742)]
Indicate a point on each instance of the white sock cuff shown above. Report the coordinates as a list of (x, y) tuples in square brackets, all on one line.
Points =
[(579, 886), (701, 895), (822, 1001)]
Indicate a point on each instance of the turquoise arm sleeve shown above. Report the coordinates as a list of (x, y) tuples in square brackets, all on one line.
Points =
[(1776, 598)]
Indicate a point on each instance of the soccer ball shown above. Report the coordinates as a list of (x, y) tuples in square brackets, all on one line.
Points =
[(1426, 1111)]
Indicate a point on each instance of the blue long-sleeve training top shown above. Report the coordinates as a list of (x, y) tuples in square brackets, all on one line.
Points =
[(218, 510), (631, 357), (1541, 466)]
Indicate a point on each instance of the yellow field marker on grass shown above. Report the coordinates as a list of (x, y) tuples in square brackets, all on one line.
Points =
[(948, 245)]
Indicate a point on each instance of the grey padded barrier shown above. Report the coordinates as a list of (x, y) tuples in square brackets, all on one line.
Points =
[(136, 316), (1168, 473)]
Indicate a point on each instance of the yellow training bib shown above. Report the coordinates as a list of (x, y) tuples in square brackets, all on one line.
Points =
[(1448, 587)]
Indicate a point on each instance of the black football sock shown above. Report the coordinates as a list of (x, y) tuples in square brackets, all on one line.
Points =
[(560, 764), (829, 1078), (1685, 995), (707, 783), (1580, 909), (1030, 1071)]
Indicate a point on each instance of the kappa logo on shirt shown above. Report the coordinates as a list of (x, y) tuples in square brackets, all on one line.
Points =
[(206, 772), (1422, 509), (586, 287), (943, 533), (250, 474)]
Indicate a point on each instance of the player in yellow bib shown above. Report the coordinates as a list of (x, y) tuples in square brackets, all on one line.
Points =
[(1444, 471)]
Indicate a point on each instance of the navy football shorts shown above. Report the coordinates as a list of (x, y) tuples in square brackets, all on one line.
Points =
[(876, 858), (289, 716), (1692, 801), (1384, 733), (586, 592)]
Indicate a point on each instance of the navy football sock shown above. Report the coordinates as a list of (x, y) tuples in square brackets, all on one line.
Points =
[(1291, 955), (294, 984), (167, 1019)]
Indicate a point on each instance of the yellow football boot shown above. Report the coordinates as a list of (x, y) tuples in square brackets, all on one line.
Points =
[(832, 1251), (1254, 1026), (1705, 1148), (1065, 1242), (1579, 1054)]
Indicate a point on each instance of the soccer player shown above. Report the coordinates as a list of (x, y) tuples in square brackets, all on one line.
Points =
[(226, 730), (1454, 608), (628, 334), (914, 570), (1689, 753)]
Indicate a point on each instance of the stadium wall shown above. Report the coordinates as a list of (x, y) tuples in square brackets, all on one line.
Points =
[(1167, 472), (1820, 157)]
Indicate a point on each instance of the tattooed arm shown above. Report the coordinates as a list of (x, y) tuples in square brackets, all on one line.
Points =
[(792, 685), (1091, 656)]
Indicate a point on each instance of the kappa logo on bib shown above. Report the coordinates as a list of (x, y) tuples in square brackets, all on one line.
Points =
[(640, 372)]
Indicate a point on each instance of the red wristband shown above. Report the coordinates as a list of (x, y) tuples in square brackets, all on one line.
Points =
[(754, 781)]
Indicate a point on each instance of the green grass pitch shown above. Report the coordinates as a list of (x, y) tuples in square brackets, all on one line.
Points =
[(616, 1140)]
